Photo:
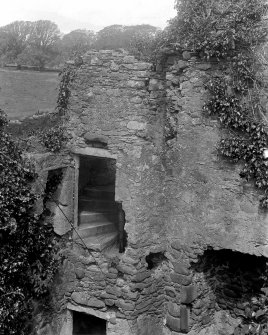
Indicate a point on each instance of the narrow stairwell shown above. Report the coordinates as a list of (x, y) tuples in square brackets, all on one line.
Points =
[(97, 216)]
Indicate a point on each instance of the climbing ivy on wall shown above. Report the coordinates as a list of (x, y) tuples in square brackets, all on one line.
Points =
[(217, 28), (231, 32), (55, 137), (27, 242), (67, 76)]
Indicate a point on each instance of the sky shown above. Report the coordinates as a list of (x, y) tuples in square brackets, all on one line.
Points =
[(88, 14)]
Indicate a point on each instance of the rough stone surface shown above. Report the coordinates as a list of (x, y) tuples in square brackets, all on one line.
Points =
[(178, 196), (184, 323), (173, 323), (188, 294)]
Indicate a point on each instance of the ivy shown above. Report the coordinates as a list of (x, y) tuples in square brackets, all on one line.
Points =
[(54, 138), (247, 139), (231, 31), (217, 28), (67, 75), (28, 258)]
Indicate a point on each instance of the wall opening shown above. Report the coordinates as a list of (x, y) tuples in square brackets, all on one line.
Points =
[(97, 209), (122, 236), (85, 324), (54, 179), (155, 259), (232, 286)]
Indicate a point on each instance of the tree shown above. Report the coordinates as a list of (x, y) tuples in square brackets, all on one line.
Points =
[(44, 35), (145, 45), (32, 43), (77, 42), (118, 36), (14, 38), (214, 27), (43, 42)]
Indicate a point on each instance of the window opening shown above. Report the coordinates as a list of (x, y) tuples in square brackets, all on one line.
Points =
[(155, 259)]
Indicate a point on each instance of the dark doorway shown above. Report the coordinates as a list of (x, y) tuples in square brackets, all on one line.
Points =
[(85, 324), (97, 209)]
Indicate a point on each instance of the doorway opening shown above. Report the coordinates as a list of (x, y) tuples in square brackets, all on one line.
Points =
[(85, 324), (97, 209)]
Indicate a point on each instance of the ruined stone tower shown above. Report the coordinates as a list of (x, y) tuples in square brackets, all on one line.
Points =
[(193, 240)]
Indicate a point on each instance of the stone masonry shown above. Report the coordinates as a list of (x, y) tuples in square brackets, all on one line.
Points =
[(178, 196)]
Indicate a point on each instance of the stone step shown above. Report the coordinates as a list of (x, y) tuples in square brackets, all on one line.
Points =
[(99, 192), (96, 205), (96, 228), (93, 217), (101, 242)]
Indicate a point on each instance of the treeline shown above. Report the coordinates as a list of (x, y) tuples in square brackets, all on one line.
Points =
[(41, 43)]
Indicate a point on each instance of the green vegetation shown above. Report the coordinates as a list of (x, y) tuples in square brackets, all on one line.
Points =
[(33, 43), (54, 138), (40, 43), (28, 258), (217, 28), (230, 33)]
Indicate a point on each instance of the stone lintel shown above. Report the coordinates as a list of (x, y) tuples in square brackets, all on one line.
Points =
[(102, 315), (96, 152)]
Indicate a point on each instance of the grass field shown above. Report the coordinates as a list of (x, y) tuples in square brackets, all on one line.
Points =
[(24, 93)]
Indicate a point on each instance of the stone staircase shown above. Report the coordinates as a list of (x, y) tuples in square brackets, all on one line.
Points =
[(97, 217)]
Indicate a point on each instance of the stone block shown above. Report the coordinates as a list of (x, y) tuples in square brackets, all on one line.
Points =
[(176, 245), (126, 306), (114, 66), (206, 320), (129, 270), (135, 125), (141, 276), (188, 294), (129, 59), (174, 309), (111, 275), (180, 268), (113, 270), (203, 66), (64, 197), (173, 323), (80, 273), (81, 299), (109, 302), (186, 55), (185, 315), (181, 64), (155, 85), (112, 320), (96, 138), (135, 84), (94, 302), (170, 291), (113, 291), (144, 304), (181, 279)]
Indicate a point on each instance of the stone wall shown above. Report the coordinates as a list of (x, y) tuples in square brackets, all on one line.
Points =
[(179, 199)]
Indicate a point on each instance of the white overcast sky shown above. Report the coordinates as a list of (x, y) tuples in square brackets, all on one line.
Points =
[(88, 14)]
